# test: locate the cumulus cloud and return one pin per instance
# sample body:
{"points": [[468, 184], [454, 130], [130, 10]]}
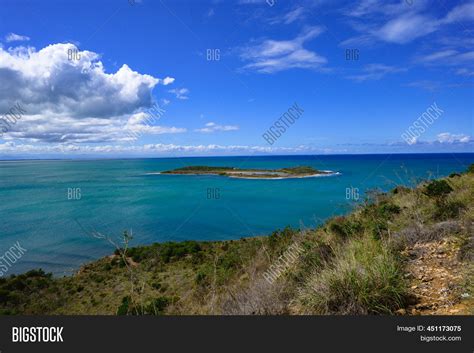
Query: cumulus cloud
{"points": [[13, 37], [68, 96], [269, 56], [145, 123], [213, 127], [441, 140], [168, 80], [446, 137]]}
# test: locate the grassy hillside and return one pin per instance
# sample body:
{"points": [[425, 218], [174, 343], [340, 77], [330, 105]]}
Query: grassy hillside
{"points": [[409, 251]]}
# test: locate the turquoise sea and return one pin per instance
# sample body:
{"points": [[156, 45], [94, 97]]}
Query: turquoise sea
{"points": [[54, 208]]}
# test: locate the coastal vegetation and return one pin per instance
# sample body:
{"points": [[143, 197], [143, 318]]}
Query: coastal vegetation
{"points": [[406, 252]]}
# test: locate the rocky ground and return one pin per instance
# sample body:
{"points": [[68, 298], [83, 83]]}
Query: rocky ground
{"points": [[437, 279]]}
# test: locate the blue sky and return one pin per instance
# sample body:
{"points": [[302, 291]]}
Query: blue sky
{"points": [[168, 78]]}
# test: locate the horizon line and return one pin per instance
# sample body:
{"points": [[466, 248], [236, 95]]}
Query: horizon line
{"points": [[232, 156]]}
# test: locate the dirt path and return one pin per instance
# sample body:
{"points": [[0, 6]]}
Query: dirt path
{"points": [[437, 279]]}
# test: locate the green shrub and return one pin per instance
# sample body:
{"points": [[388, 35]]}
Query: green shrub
{"points": [[343, 227], [388, 209], [300, 170], [448, 210], [98, 278], [4, 296], [377, 215], [159, 305], [177, 250], [230, 259], [202, 275], [381, 210], [123, 308], [401, 190], [156, 307], [279, 237], [164, 288], [470, 169], [121, 262], [156, 285], [437, 189], [200, 168]]}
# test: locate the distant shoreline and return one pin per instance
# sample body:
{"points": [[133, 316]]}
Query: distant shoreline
{"points": [[328, 174], [237, 173]]}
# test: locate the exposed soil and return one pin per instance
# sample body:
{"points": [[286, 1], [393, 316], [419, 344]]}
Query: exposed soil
{"points": [[437, 279]]}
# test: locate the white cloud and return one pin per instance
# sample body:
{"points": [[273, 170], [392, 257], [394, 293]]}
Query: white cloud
{"points": [[401, 22], [461, 60], [406, 28], [442, 140], [12, 37], [425, 84], [438, 55], [362, 40], [12, 148], [180, 93], [145, 123], [269, 56], [69, 100], [465, 72], [376, 8], [168, 80], [464, 12], [447, 137], [294, 15], [448, 57], [375, 72], [213, 127]]}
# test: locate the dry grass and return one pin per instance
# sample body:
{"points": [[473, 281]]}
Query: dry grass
{"points": [[364, 278]]}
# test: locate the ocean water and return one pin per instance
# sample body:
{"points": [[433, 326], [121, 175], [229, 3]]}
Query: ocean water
{"points": [[57, 209]]}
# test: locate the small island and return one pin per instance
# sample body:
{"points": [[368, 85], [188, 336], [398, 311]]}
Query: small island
{"points": [[284, 173]]}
